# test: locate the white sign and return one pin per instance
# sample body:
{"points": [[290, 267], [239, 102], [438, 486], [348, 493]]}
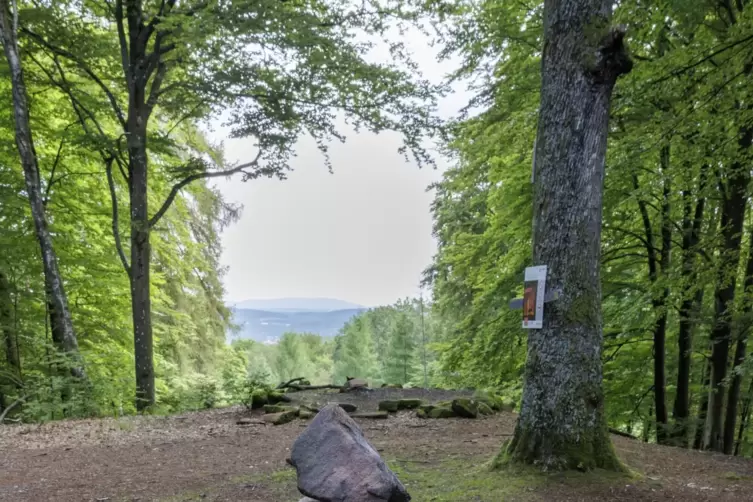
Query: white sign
{"points": [[533, 297]]}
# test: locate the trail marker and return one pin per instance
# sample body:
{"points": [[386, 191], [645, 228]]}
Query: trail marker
{"points": [[534, 297]]}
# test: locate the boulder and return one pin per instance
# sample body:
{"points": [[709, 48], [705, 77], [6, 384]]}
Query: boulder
{"points": [[350, 408], [388, 405], [409, 404], [465, 408], [305, 414], [335, 462], [281, 418], [441, 413], [313, 407], [428, 407]]}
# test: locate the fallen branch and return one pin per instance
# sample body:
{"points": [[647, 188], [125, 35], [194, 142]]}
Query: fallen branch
{"points": [[620, 433], [313, 387], [12, 405], [287, 384]]}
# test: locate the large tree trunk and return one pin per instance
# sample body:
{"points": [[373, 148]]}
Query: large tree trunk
{"points": [[139, 273], [561, 423], [689, 306], [734, 203], [25, 144]]}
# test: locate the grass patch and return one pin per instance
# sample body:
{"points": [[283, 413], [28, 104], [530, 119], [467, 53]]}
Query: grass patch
{"points": [[455, 478]]}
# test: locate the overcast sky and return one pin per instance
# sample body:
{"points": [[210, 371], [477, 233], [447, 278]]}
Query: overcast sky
{"points": [[362, 234]]}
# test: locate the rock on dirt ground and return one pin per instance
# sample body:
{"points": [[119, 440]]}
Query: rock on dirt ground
{"points": [[208, 456]]}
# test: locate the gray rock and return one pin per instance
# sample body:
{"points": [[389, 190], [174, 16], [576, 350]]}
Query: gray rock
{"points": [[335, 462]]}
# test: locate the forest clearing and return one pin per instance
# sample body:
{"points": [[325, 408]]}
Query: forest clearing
{"points": [[209, 456], [598, 165]]}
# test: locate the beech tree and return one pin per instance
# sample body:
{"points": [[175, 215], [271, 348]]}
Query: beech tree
{"points": [[561, 423], [60, 316]]}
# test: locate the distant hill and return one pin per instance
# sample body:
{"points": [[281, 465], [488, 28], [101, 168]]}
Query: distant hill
{"points": [[297, 305], [267, 320]]}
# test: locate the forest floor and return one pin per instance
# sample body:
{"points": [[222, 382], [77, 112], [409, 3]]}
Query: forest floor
{"points": [[209, 456]]}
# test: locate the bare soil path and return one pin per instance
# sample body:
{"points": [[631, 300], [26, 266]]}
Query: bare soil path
{"points": [[208, 456]]}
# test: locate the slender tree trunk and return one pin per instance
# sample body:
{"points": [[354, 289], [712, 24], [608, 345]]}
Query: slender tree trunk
{"points": [[703, 408], [691, 226], [733, 215], [7, 325], [660, 306], [733, 396], [658, 266], [745, 418], [25, 144], [561, 423]]}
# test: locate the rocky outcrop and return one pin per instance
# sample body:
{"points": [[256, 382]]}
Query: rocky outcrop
{"points": [[335, 463]]}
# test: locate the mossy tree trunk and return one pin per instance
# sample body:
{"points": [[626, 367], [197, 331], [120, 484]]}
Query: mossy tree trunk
{"points": [[561, 423]]}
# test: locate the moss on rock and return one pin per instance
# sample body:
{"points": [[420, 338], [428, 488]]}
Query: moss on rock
{"points": [[392, 406], [281, 418], [465, 408], [259, 399], [409, 404], [485, 409], [441, 413]]}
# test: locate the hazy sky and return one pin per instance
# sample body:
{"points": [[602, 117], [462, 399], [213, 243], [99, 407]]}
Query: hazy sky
{"points": [[362, 234]]}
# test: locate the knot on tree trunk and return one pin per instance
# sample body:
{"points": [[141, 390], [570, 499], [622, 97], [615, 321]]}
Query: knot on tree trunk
{"points": [[612, 58]]}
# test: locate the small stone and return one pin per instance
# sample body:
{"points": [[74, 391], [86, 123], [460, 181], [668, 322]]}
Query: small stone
{"points": [[421, 413], [277, 408], [281, 418], [258, 399], [305, 414], [465, 408], [441, 413], [484, 409], [388, 405], [371, 414], [409, 404]]}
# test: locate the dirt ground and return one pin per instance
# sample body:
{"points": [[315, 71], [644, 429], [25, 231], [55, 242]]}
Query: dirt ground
{"points": [[209, 456]]}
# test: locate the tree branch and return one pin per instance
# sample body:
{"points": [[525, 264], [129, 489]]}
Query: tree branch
{"points": [[46, 197], [115, 218], [124, 57], [85, 68], [189, 179]]}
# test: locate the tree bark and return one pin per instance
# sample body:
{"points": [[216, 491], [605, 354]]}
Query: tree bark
{"points": [[140, 273], [745, 418], [733, 396], [24, 142], [12, 356], [690, 304], [734, 204], [703, 408], [561, 423]]}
